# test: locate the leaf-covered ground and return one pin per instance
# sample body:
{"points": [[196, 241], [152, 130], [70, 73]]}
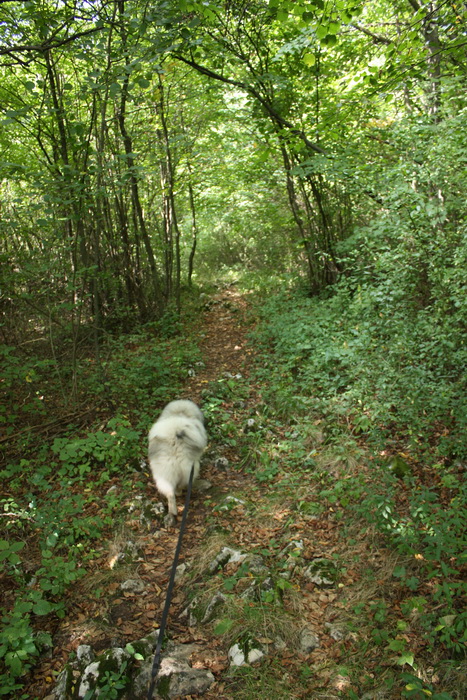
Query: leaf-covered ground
{"points": [[281, 516]]}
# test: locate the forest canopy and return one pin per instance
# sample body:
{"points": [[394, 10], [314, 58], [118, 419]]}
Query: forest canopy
{"points": [[145, 145]]}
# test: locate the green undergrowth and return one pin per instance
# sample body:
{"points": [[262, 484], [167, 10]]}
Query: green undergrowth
{"points": [[405, 610], [58, 506], [398, 380], [132, 372], [376, 420]]}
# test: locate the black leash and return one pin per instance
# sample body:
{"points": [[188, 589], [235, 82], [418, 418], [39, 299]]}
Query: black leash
{"points": [[157, 655]]}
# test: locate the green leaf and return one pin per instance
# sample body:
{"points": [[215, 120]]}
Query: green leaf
{"points": [[15, 664], [51, 540], [330, 40], [321, 31], [143, 82], [42, 607], [230, 583], [309, 59], [114, 89], [406, 658]]}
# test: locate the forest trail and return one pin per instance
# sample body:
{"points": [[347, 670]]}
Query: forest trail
{"points": [[272, 518], [223, 342], [113, 618]]}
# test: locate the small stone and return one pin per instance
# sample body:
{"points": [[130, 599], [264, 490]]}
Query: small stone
{"points": [[250, 593], [64, 683], [225, 556], [295, 545], [201, 485], [256, 565], [216, 602], [135, 504], [234, 499], [308, 640], [84, 655], [152, 513], [279, 644], [179, 571], [132, 549], [250, 426], [228, 504], [188, 681], [239, 658], [192, 612], [132, 585], [176, 678], [221, 463], [88, 679], [322, 572], [111, 660], [334, 631]]}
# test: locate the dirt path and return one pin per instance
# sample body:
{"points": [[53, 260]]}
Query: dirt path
{"points": [[98, 613], [223, 346]]}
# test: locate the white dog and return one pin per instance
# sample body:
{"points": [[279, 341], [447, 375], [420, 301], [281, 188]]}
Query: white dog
{"points": [[176, 442]]}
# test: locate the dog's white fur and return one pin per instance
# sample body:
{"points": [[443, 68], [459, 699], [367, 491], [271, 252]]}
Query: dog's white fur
{"points": [[176, 442]]}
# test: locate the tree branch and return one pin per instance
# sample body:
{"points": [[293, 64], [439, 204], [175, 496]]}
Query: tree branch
{"points": [[376, 37], [252, 91], [47, 45]]}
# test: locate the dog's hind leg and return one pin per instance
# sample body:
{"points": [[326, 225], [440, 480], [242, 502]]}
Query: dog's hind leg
{"points": [[167, 489], [171, 517], [172, 504]]}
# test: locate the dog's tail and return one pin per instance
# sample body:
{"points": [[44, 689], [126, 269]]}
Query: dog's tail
{"points": [[193, 435]]}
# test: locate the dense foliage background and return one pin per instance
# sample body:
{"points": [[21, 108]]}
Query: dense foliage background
{"points": [[315, 152]]}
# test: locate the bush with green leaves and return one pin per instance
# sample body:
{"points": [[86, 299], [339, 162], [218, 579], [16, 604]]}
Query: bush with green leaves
{"points": [[111, 450], [388, 344], [342, 358], [390, 371], [143, 371], [384, 354], [9, 553], [19, 646]]}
